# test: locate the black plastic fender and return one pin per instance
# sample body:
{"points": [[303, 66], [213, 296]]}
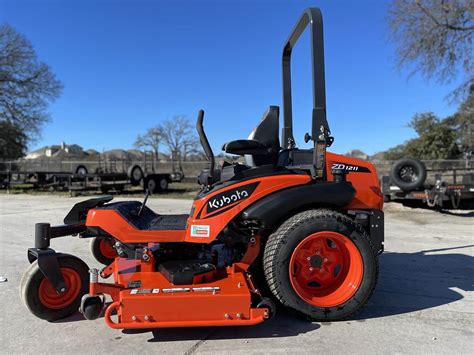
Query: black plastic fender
{"points": [[270, 210], [78, 213]]}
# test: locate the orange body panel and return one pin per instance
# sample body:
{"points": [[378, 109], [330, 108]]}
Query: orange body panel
{"points": [[367, 186], [216, 221], [205, 224]]}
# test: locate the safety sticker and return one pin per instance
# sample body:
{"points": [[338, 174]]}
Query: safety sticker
{"points": [[200, 231]]}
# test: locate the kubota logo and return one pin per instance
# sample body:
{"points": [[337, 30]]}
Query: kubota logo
{"points": [[230, 197], [227, 200]]}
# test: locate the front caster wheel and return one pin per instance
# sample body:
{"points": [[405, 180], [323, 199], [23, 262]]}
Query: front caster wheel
{"points": [[92, 306], [40, 297], [103, 250], [321, 263], [270, 305]]}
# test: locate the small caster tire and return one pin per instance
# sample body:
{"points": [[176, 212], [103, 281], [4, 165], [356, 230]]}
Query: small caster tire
{"points": [[40, 297], [268, 303], [91, 306]]}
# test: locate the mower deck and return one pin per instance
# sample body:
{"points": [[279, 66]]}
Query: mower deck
{"points": [[149, 300], [160, 304]]}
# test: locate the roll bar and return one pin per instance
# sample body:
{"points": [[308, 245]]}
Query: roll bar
{"points": [[313, 18]]}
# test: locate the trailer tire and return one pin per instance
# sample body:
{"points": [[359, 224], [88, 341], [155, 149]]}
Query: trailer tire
{"points": [[408, 174], [336, 277], [81, 170], [135, 174], [151, 185], [163, 184], [40, 297]]}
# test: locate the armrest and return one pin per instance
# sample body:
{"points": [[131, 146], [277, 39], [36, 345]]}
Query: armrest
{"points": [[245, 146]]}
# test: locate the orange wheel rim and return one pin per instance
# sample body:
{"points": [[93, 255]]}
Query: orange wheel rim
{"points": [[53, 300], [107, 249], [326, 269]]}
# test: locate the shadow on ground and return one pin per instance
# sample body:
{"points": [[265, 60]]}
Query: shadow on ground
{"points": [[411, 282], [408, 282], [285, 324]]}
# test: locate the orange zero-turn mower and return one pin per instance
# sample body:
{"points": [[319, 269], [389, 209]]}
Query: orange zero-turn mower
{"points": [[304, 224]]}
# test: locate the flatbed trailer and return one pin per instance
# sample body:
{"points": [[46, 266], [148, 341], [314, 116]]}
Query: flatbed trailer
{"points": [[443, 193], [73, 183]]}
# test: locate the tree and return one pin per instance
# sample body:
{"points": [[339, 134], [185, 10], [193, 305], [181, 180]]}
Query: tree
{"points": [[26, 85], [151, 139], [12, 141], [437, 140], [462, 122], [179, 136], [435, 38]]}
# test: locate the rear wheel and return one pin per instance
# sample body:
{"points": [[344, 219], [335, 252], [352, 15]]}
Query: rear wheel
{"points": [[150, 185], [163, 184], [40, 297], [103, 250], [321, 264]]}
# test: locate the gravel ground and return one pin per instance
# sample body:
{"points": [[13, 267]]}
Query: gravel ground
{"points": [[423, 302]]}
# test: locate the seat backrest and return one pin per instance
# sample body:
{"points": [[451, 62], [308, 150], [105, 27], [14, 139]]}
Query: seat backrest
{"points": [[266, 133]]}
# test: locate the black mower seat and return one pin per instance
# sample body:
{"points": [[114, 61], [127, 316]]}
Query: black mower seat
{"points": [[263, 144], [147, 220]]}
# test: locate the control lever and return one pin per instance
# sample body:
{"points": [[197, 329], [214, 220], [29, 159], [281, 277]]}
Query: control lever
{"points": [[147, 193]]}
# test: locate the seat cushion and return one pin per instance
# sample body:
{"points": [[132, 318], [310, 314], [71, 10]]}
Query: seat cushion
{"points": [[147, 220]]}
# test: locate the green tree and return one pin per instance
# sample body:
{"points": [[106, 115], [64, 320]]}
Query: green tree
{"points": [[437, 139], [395, 153], [26, 85], [462, 122]]}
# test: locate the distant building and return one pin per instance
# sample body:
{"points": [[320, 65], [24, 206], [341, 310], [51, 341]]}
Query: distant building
{"points": [[358, 154], [56, 151]]}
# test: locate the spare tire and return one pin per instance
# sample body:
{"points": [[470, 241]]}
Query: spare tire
{"points": [[135, 174], [408, 174]]}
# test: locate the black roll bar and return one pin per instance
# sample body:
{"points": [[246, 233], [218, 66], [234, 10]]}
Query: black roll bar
{"points": [[312, 17]]}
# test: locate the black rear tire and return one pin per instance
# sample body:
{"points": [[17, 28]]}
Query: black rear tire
{"points": [[282, 244], [33, 285], [98, 252], [408, 174]]}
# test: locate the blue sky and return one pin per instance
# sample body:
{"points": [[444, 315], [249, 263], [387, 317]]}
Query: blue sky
{"points": [[127, 65]]}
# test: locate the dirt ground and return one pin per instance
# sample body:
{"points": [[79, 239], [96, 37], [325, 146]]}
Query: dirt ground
{"points": [[423, 303]]}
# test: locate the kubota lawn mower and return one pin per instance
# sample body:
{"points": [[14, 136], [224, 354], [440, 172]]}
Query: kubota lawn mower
{"points": [[305, 224]]}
